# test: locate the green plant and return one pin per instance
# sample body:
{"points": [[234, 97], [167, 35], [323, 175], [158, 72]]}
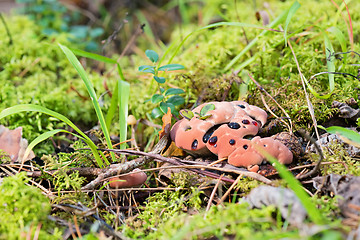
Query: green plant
{"points": [[34, 108], [169, 98], [121, 94], [201, 115], [120, 97], [54, 17]]}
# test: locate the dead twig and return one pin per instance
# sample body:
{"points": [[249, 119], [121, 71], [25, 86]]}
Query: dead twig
{"points": [[213, 194], [230, 189], [268, 108], [310, 106], [321, 157], [127, 166]]}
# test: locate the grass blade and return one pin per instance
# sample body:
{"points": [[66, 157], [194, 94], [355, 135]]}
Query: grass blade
{"points": [[93, 56], [341, 38], [113, 107], [347, 135], [274, 23], [123, 96], [45, 136], [219, 24], [291, 13], [295, 185], [35, 108], [330, 66], [90, 88]]}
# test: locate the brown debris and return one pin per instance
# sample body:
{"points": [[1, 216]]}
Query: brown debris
{"points": [[13, 144], [348, 187]]}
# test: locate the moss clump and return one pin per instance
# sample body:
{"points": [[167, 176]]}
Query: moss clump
{"points": [[161, 207], [235, 221], [22, 209], [342, 163], [35, 71]]}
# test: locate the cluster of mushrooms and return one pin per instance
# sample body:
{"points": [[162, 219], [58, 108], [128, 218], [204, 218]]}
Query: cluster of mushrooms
{"points": [[228, 130]]}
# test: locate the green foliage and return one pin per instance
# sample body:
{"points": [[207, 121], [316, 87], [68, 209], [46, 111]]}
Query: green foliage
{"points": [[54, 17], [162, 96], [233, 220], [90, 88], [348, 165], [22, 209], [296, 186], [120, 97], [160, 207], [35, 108], [33, 70], [64, 181]]}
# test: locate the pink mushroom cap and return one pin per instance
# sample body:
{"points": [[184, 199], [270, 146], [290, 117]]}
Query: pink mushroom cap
{"points": [[133, 179]]}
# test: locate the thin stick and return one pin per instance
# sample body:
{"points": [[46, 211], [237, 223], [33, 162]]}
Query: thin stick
{"points": [[71, 231], [6, 28], [77, 227], [37, 231], [321, 156], [229, 190], [311, 109], [213, 194], [281, 108], [216, 162]]}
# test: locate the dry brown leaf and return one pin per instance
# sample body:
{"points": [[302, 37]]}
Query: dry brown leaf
{"points": [[166, 124], [12, 143]]}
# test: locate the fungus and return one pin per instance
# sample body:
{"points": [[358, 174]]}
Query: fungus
{"points": [[133, 179], [229, 132]]}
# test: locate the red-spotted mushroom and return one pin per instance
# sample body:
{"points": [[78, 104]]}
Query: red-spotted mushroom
{"points": [[228, 130], [192, 134]]}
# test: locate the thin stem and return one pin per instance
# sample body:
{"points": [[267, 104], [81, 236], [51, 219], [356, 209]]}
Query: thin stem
{"points": [[6, 28]]}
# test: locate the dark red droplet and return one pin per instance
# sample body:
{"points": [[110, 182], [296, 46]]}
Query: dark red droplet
{"points": [[213, 140], [194, 144], [255, 123], [232, 141], [245, 121], [245, 146]]}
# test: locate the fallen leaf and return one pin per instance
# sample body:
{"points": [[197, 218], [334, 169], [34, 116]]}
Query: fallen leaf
{"points": [[347, 187], [284, 199], [13, 144], [166, 119]]}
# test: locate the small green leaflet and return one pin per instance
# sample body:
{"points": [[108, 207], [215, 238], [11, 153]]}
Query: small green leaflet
{"points": [[176, 100], [164, 107], [186, 114], [159, 79], [147, 69], [172, 91], [206, 109], [171, 67], [156, 98], [152, 55], [156, 112]]}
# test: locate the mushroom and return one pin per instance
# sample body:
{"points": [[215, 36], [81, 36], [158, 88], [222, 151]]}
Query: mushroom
{"points": [[226, 131], [224, 140], [133, 179], [248, 153], [192, 135]]}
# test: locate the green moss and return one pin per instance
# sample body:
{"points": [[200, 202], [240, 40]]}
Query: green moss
{"points": [[34, 70], [341, 162], [22, 209], [233, 221], [161, 207]]}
